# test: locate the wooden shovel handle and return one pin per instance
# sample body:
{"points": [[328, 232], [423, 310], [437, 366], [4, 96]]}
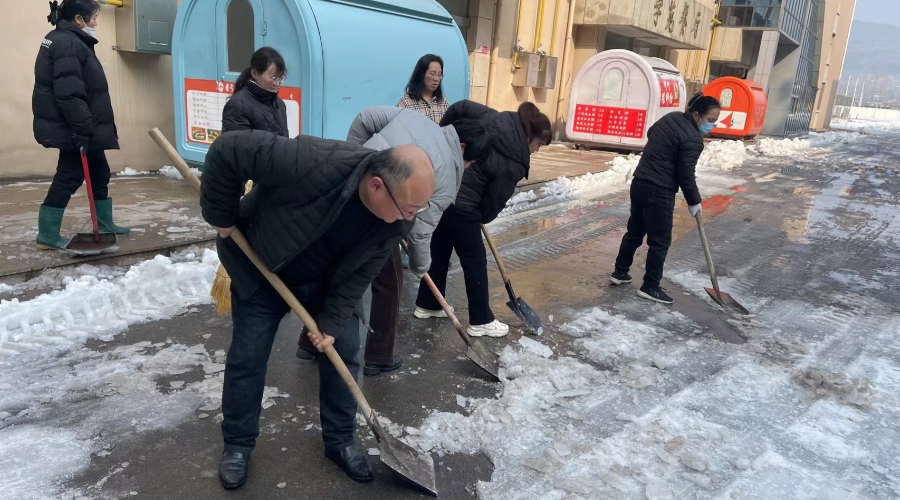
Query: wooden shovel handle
{"points": [[273, 279], [490, 243], [708, 255]]}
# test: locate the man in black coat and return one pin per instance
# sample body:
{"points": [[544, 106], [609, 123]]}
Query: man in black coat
{"points": [[324, 215], [73, 112], [674, 145]]}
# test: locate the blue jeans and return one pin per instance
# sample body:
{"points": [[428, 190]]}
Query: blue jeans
{"points": [[256, 321]]}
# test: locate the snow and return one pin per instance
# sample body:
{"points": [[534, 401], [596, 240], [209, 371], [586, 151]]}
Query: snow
{"points": [[172, 172], [831, 139], [722, 421], [93, 307], [722, 155], [781, 147], [129, 172], [535, 347], [107, 394]]}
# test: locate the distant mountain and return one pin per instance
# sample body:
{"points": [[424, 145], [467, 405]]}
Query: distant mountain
{"points": [[873, 50]]}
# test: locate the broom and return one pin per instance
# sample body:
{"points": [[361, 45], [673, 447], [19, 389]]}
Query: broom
{"points": [[221, 287]]}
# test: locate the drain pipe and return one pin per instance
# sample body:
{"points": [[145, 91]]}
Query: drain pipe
{"points": [[495, 48], [566, 63]]}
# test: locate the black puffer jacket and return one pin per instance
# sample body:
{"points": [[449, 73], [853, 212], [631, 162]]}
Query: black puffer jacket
{"points": [[486, 187], [71, 102], [300, 187], [254, 108], [674, 144]]}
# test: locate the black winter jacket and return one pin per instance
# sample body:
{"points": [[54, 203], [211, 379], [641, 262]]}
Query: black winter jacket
{"points": [[254, 108], [71, 102], [674, 144], [300, 187], [486, 187]]}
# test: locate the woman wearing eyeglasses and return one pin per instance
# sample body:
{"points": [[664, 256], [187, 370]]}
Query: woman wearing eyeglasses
{"points": [[255, 104], [423, 92]]}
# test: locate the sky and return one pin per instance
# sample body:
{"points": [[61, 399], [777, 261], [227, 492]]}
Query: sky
{"points": [[878, 11]]}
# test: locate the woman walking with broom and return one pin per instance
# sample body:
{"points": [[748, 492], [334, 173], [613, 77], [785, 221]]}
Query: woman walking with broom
{"points": [[255, 105]]}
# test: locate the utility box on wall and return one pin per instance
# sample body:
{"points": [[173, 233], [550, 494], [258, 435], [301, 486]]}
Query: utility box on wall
{"points": [[146, 26], [529, 68], [547, 72]]}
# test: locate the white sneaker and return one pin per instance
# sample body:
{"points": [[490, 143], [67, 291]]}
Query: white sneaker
{"points": [[428, 313], [492, 329]]}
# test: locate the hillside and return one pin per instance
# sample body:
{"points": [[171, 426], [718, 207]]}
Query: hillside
{"points": [[873, 50]]}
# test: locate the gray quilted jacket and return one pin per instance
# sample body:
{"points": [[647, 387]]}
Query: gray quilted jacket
{"points": [[383, 127]]}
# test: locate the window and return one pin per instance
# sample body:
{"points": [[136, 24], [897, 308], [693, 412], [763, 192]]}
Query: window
{"points": [[239, 26], [612, 86], [725, 98]]}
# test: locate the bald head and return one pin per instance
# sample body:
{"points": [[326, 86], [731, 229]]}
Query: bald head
{"points": [[398, 182]]}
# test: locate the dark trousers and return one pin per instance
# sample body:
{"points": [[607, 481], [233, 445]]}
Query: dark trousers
{"points": [[256, 321], [463, 236], [70, 175], [387, 288], [652, 209]]}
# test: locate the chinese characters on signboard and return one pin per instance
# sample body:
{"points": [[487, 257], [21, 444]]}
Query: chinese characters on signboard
{"points": [[657, 11], [603, 120], [669, 93], [204, 101], [670, 21], [684, 18]]}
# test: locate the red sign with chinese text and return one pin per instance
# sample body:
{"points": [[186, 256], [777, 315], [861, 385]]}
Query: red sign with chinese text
{"points": [[204, 101], [669, 93], [603, 120]]}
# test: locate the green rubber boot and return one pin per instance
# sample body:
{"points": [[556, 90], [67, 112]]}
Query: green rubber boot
{"points": [[105, 218], [49, 222]]}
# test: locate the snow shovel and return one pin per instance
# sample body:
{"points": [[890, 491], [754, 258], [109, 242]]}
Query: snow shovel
{"points": [[719, 297], [397, 455], [474, 349], [96, 242], [519, 307]]}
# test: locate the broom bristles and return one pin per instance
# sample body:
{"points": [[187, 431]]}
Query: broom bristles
{"points": [[221, 291], [221, 287]]}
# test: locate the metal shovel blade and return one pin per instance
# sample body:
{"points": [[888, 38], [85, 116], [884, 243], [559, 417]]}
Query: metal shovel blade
{"points": [[481, 357], [727, 301], [416, 467], [525, 313], [87, 244]]}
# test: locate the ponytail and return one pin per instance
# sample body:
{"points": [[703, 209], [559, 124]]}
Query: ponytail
{"points": [[242, 80], [701, 104], [535, 123], [53, 18], [70, 9]]}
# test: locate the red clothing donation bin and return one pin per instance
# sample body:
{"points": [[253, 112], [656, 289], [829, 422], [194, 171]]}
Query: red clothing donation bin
{"points": [[743, 107], [617, 95]]}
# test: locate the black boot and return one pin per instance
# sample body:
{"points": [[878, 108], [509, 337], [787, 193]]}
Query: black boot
{"points": [[233, 469], [373, 369], [354, 463], [306, 355]]}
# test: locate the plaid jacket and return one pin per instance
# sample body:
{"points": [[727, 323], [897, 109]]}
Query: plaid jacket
{"points": [[434, 110]]}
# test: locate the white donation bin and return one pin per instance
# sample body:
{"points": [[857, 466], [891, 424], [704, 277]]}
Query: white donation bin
{"points": [[617, 95]]}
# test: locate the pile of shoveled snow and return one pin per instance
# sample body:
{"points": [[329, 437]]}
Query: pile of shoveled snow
{"points": [[831, 139], [91, 306], [617, 176], [172, 172], [781, 147], [722, 155]]}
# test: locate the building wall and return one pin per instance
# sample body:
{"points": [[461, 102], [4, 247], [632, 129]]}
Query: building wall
{"points": [[140, 86], [838, 18]]}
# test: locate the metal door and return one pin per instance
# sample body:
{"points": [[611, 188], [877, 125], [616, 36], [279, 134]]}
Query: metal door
{"points": [[637, 101], [239, 32], [612, 93]]}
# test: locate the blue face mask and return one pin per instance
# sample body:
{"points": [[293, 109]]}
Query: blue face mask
{"points": [[706, 128]]}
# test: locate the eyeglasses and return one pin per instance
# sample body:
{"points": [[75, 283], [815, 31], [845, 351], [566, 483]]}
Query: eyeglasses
{"points": [[436, 76], [402, 213], [278, 80]]}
